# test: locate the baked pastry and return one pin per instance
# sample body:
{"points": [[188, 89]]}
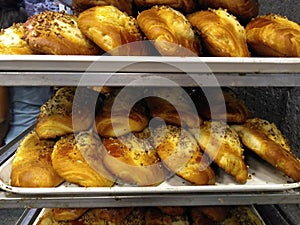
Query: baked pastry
{"points": [[222, 144], [61, 114], [111, 29], [181, 154], [244, 10], [78, 159], [221, 104], [133, 160], [82, 5], [173, 210], [184, 6], [215, 213], [154, 216], [113, 215], [57, 33], [169, 38], [269, 144], [273, 35], [221, 33], [64, 214], [32, 166], [173, 105], [121, 113], [11, 41]]}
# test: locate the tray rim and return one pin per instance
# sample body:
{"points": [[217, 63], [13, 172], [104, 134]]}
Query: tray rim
{"points": [[72, 63], [134, 191]]}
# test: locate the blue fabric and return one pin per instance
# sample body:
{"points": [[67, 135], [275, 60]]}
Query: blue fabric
{"points": [[25, 103]]}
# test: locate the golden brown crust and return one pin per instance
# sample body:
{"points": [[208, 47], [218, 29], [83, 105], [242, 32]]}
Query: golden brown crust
{"points": [[133, 159], [82, 5], [273, 35], [61, 214], [221, 33], [222, 145], [259, 141], [169, 38], [57, 33], [118, 117], [223, 104], [174, 106], [184, 6], [79, 160], [181, 154], [32, 166], [110, 28], [173, 210], [11, 41], [242, 9], [56, 117]]}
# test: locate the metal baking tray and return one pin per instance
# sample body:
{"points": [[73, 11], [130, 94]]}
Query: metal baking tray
{"points": [[105, 63], [46, 212], [262, 177]]}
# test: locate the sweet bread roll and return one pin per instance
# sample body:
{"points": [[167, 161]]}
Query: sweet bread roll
{"points": [[32, 166], [78, 159], [221, 143], [11, 41], [273, 35], [64, 214], [82, 5], [223, 104], [121, 113], [268, 145], [61, 114], [181, 154], [170, 38], [184, 6], [111, 28], [133, 160], [57, 33], [174, 106], [221, 34], [244, 10]]}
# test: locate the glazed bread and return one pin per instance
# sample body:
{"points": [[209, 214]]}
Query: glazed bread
{"points": [[133, 160], [111, 28], [82, 5], [268, 145], [78, 159], [154, 216], [57, 33], [113, 215], [174, 106], [121, 114], [181, 154], [11, 41], [170, 38], [184, 6], [222, 144], [222, 104], [244, 10], [274, 36], [221, 34], [32, 165], [57, 118]]}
